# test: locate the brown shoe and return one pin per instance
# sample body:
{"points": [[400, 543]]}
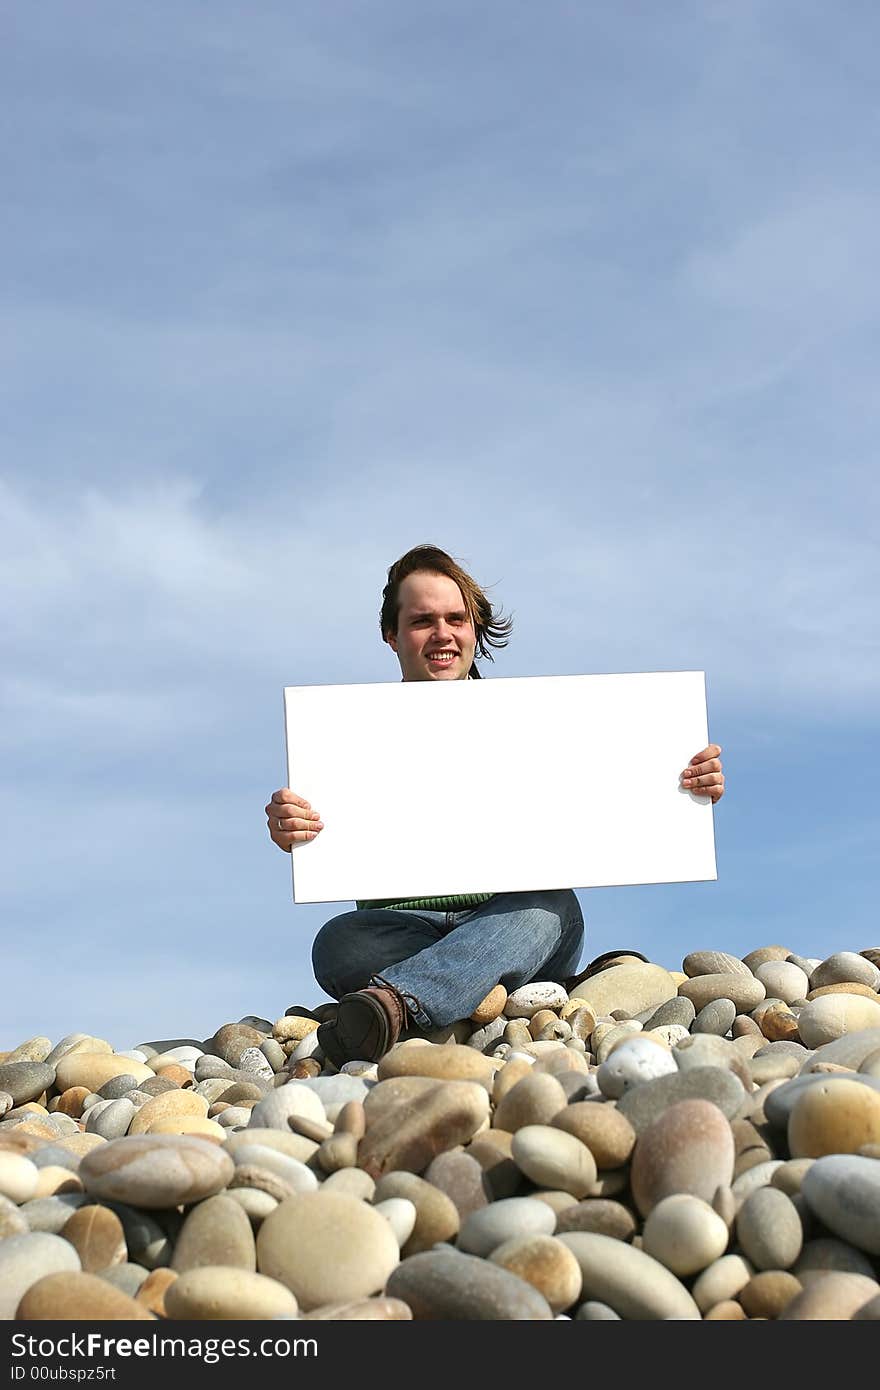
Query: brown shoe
{"points": [[603, 962], [366, 1025]]}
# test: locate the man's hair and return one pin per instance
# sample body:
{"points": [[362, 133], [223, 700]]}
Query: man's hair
{"points": [[492, 630]]}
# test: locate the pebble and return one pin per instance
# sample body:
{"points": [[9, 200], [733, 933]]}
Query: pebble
{"points": [[769, 1230], [447, 1284], [24, 1259], [744, 991], [545, 1263], [527, 1000], [837, 1297], [643, 1105], [539, 1160], [689, 1148], [716, 1017], [215, 1232], [552, 1158], [843, 1190], [96, 1233], [156, 1170], [213, 1292], [832, 1016], [436, 1215], [634, 1062], [76, 1296], [325, 1247], [483, 1231], [631, 1282], [833, 1116], [685, 1234]]}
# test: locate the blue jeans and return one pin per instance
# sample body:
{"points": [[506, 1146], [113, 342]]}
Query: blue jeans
{"points": [[446, 962]]}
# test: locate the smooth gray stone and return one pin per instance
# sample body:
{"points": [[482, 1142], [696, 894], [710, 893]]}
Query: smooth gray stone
{"points": [[114, 1120], [335, 1091], [157, 1085], [714, 963], [51, 1214], [802, 963], [716, 1018], [577, 1085], [116, 1087], [62, 1048], [769, 1230], [147, 1241], [488, 1227], [678, 1010], [208, 1067], [483, 1038], [274, 1054], [155, 1049], [126, 1276], [778, 1104], [262, 1025], [843, 1190], [592, 1311], [783, 1048], [848, 1051], [54, 1156], [645, 1104], [25, 1081], [827, 1254], [444, 1284]]}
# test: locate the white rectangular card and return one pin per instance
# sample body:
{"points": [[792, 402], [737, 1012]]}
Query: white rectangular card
{"points": [[429, 788]]}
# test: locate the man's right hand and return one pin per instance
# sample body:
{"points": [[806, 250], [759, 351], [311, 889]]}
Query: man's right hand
{"points": [[291, 819]]}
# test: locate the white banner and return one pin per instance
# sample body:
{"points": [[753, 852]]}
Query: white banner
{"points": [[429, 788]]}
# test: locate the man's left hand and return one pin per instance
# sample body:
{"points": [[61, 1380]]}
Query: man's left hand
{"points": [[703, 775]]}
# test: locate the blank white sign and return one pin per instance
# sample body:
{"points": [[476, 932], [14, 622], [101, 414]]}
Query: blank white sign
{"points": [[429, 788]]}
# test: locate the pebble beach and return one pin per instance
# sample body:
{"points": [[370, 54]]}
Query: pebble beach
{"points": [[700, 1143]]}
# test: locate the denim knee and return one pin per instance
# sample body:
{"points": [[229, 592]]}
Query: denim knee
{"points": [[334, 955]]}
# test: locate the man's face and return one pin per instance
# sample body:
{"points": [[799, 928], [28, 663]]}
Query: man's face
{"points": [[435, 638]]}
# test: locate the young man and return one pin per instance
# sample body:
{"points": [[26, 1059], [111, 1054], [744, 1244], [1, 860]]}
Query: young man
{"points": [[431, 961]]}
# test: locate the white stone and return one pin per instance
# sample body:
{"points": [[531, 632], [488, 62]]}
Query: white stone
{"points": [[634, 1061], [528, 999]]}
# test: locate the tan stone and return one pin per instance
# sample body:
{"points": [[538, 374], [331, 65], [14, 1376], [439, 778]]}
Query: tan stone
{"points": [[769, 1293], [53, 1180], [173, 1071], [835, 1015], [152, 1291], [835, 1297], [546, 1264], [728, 1310], [92, 1069], [78, 1297], [70, 1101], [293, 1028], [602, 1128], [851, 987], [96, 1234], [635, 986], [491, 1007], [451, 1062], [834, 1117], [169, 1104], [189, 1124]]}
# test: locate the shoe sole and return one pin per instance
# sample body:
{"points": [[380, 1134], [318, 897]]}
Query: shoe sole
{"points": [[360, 1031]]}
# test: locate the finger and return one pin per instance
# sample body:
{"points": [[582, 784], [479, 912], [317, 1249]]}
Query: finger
{"points": [[712, 751], [698, 769], [288, 824], [285, 808], [707, 779], [286, 797]]}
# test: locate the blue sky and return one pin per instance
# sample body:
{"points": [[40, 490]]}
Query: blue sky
{"points": [[585, 294]]}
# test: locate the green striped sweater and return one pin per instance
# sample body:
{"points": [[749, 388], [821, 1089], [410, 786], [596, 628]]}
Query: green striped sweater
{"points": [[457, 903]]}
